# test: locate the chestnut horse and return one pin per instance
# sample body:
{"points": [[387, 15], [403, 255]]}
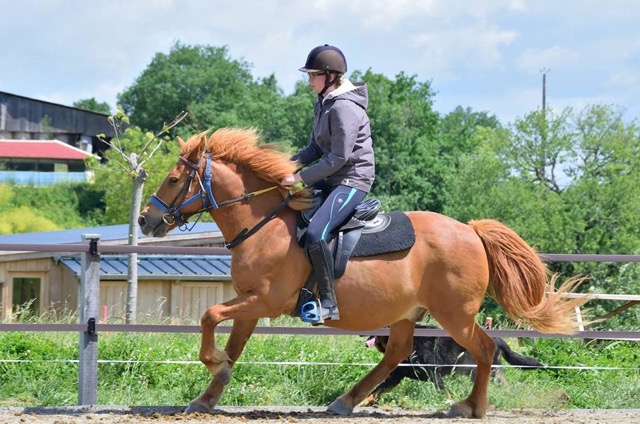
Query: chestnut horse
{"points": [[446, 273]]}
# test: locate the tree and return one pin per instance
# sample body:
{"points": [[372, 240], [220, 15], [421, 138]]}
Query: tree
{"points": [[114, 177], [134, 163], [404, 131], [457, 137], [298, 115], [216, 90], [457, 129], [582, 171], [23, 219], [476, 188], [605, 168], [540, 148], [281, 119], [202, 80], [63, 205], [568, 183], [93, 105]]}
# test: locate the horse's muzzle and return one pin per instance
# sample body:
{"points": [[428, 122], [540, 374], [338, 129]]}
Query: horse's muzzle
{"points": [[141, 222]]}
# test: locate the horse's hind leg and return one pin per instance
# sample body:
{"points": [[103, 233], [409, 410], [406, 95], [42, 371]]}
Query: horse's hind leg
{"points": [[389, 383], [398, 348], [468, 334]]}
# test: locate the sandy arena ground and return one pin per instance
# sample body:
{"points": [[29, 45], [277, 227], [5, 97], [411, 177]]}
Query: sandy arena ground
{"points": [[272, 415]]}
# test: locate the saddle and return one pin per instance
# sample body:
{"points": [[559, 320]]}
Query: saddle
{"points": [[366, 233], [346, 237]]}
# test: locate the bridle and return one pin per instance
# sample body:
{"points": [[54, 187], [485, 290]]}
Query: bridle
{"points": [[173, 211]]}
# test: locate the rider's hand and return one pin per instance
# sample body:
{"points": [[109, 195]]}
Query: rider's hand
{"points": [[291, 180]]}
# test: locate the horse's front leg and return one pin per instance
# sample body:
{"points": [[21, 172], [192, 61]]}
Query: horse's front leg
{"points": [[245, 311]]}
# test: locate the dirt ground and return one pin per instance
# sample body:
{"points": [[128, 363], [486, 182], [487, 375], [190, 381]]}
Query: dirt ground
{"points": [[271, 415]]}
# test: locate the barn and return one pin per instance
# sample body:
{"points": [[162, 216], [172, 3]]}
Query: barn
{"points": [[170, 287], [44, 143], [23, 118]]}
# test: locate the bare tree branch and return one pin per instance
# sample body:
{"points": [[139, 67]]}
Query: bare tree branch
{"points": [[167, 127]]}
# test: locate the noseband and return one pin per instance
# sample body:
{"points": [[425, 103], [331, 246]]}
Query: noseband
{"points": [[173, 213]]}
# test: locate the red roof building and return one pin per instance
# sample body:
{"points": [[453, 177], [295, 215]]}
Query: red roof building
{"points": [[40, 149], [41, 162]]}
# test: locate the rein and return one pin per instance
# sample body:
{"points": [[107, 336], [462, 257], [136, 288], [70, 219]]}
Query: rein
{"points": [[246, 233], [173, 215]]}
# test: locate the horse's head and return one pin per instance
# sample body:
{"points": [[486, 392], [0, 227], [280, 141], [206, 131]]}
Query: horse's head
{"points": [[241, 169], [181, 193]]}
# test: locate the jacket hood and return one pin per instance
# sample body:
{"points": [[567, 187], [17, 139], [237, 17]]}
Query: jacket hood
{"points": [[356, 93]]}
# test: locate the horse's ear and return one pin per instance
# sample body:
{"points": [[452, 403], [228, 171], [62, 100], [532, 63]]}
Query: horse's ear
{"points": [[203, 142], [182, 143], [198, 149]]}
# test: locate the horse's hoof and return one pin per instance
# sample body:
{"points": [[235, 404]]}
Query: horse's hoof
{"points": [[460, 410], [464, 410], [196, 407], [340, 407]]}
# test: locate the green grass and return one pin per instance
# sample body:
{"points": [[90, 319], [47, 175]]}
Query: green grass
{"points": [[46, 383]]}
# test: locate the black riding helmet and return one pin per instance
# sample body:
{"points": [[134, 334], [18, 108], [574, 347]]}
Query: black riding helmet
{"points": [[329, 59], [325, 58]]}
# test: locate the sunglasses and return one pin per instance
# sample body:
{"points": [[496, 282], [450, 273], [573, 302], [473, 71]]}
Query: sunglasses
{"points": [[313, 75]]}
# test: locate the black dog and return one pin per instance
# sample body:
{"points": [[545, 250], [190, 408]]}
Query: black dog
{"points": [[434, 357]]}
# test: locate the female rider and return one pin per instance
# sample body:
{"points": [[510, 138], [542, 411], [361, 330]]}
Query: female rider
{"points": [[345, 169]]}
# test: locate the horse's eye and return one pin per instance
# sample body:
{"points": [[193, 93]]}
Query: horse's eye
{"points": [[173, 180]]}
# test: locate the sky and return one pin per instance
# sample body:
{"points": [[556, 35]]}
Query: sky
{"points": [[482, 54]]}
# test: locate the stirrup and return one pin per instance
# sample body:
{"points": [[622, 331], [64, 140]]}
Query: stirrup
{"points": [[314, 313], [310, 312]]}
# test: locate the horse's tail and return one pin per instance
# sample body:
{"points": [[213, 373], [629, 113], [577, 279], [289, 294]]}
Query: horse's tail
{"points": [[522, 284]]}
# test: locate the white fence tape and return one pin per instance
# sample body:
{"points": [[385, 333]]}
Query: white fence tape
{"points": [[303, 363]]}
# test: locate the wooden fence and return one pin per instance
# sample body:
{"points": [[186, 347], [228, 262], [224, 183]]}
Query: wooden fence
{"points": [[89, 328]]}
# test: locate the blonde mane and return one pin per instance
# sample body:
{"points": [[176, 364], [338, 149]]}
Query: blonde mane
{"points": [[241, 146]]}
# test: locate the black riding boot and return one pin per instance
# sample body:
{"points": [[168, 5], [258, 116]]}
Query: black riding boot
{"points": [[322, 263]]}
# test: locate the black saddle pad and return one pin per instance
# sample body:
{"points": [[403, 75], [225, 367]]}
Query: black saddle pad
{"points": [[397, 236]]}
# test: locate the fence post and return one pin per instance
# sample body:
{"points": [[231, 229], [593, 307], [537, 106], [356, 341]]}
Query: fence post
{"points": [[90, 299]]}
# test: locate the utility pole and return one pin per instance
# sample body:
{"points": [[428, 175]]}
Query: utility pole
{"points": [[543, 132], [544, 71]]}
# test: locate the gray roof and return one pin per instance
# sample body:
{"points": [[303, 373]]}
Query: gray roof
{"points": [[107, 233], [159, 267]]}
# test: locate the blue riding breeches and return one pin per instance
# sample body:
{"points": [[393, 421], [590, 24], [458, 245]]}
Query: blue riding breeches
{"points": [[334, 211]]}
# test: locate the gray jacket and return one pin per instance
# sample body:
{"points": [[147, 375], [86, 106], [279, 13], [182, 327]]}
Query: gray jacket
{"points": [[341, 139]]}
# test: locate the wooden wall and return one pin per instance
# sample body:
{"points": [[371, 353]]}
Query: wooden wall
{"points": [[158, 300]]}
